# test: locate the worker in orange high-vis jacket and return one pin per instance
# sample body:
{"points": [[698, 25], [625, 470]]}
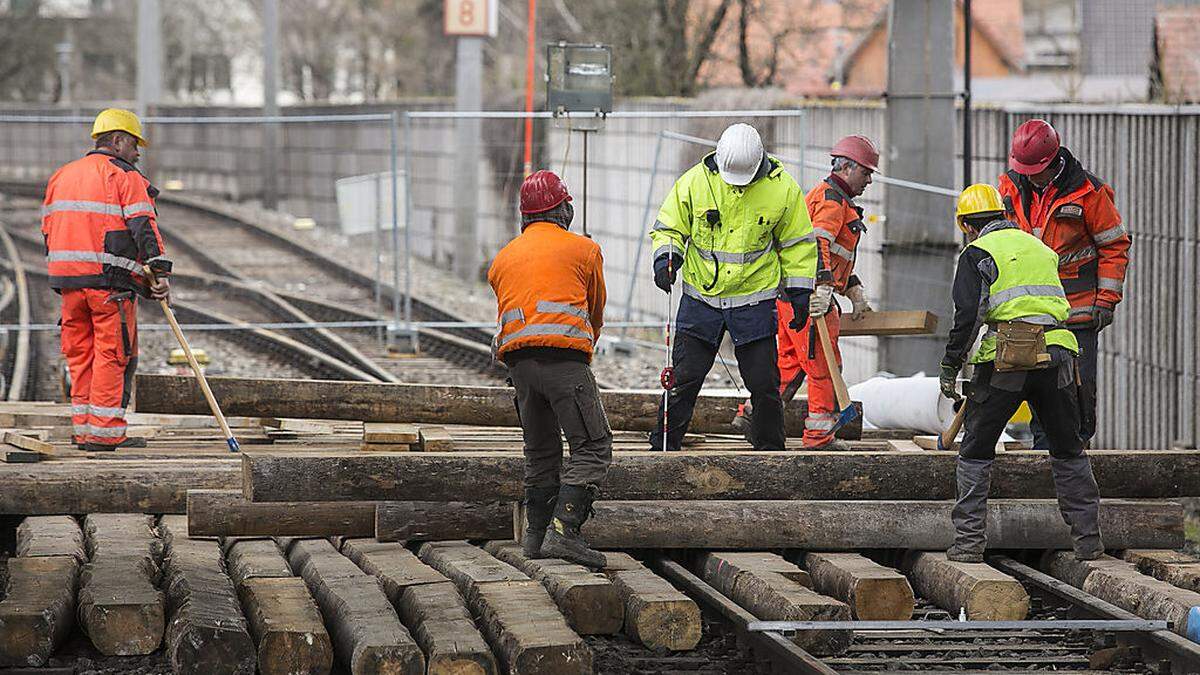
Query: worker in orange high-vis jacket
{"points": [[99, 223], [1049, 194], [838, 225], [550, 296]]}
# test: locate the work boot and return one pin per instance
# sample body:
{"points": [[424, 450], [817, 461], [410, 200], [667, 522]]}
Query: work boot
{"points": [[742, 422], [562, 536], [833, 444], [1079, 503], [104, 447], [539, 509], [969, 515]]}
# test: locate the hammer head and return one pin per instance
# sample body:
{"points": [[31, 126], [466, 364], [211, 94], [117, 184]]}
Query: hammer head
{"points": [[846, 416]]}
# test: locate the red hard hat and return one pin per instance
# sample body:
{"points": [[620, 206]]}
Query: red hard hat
{"points": [[542, 191], [1034, 145], [859, 149]]}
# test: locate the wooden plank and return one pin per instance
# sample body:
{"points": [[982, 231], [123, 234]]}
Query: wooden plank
{"points": [[207, 632], [915, 322], [111, 485], [1120, 583], [15, 456], [255, 559], [656, 614], [38, 610], [588, 599], [849, 525], [755, 581], [433, 521], [873, 592], [435, 439], [26, 441], [517, 615], [119, 607], [367, 634], [985, 593], [298, 426], [327, 476], [226, 513], [390, 432], [286, 626], [1174, 567], [50, 536], [424, 404]]}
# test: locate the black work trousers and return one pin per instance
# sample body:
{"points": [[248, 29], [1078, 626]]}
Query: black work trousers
{"points": [[693, 358], [554, 395], [1088, 354]]}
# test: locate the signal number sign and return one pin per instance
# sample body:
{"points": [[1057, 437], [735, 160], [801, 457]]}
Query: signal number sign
{"points": [[472, 17]]}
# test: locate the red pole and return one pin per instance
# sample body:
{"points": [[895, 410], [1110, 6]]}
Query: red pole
{"points": [[530, 58]]}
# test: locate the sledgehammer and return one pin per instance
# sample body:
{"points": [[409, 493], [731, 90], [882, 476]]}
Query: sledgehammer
{"points": [[847, 412], [946, 438], [187, 350]]}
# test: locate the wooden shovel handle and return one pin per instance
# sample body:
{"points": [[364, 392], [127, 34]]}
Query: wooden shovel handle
{"points": [[835, 373]]}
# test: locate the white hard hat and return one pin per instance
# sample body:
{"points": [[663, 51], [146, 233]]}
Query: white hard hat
{"points": [[739, 153]]}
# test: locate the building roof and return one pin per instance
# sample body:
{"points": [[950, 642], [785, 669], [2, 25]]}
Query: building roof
{"points": [[1177, 44]]}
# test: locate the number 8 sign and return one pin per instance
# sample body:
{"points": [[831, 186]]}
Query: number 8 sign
{"points": [[471, 17]]}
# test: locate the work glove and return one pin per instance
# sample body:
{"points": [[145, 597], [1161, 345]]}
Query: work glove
{"points": [[799, 301], [1103, 316], [818, 304], [948, 382], [859, 297], [666, 266]]}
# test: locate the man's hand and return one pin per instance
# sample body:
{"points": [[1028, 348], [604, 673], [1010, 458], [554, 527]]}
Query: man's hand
{"points": [[666, 266], [859, 297], [818, 304], [948, 382], [161, 289], [1103, 317]]}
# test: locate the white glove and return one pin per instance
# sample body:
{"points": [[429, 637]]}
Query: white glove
{"points": [[859, 297], [818, 302]]}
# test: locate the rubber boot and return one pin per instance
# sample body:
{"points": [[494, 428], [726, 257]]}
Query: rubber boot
{"points": [[969, 515], [741, 421], [562, 536], [127, 443], [539, 509], [1079, 503]]}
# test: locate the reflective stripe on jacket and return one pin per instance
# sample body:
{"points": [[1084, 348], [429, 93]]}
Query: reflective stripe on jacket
{"points": [[1075, 215], [838, 224], [549, 286], [100, 225], [762, 240], [1026, 289]]}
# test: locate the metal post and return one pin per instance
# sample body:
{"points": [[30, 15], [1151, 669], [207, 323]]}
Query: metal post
{"points": [[468, 97], [641, 241], [149, 53], [966, 115], [380, 333], [64, 50], [395, 225], [270, 131], [585, 176], [408, 219]]}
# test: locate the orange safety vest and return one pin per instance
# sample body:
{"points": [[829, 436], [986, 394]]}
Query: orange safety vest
{"points": [[1075, 215], [549, 286], [838, 224], [100, 225]]}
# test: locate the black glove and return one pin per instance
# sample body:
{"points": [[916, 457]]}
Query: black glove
{"points": [[948, 380], [1103, 316], [799, 301], [666, 266]]}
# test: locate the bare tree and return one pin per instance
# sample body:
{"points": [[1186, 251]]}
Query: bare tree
{"points": [[27, 57]]}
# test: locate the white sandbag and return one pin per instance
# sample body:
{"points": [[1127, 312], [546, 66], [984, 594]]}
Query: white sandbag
{"points": [[903, 403]]}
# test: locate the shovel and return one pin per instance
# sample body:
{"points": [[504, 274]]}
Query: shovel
{"points": [[846, 411], [187, 350]]}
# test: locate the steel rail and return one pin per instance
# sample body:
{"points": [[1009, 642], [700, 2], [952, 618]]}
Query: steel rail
{"points": [[1109, 625], [19, 378]]}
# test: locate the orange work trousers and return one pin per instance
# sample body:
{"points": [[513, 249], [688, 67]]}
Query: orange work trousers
{"points": [[99, 341], [794, 366]]}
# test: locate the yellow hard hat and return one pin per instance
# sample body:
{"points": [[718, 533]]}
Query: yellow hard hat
{"points": [[976, 199], [116, 119]]}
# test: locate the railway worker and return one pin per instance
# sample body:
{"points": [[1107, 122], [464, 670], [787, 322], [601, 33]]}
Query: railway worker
{"points": [[1049, 194], [837, 222], [1008, 280], [100, 228], [737, 225], [550, 295]]}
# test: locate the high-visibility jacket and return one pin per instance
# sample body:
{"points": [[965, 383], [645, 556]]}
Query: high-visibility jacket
{"points": [[549, 286], [1026, 289], [838, 224], [100, 225], [740, 245], [1076, 217]]}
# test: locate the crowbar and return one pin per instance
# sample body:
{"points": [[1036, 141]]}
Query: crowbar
{"points": [[187, 350], [847, 413]]}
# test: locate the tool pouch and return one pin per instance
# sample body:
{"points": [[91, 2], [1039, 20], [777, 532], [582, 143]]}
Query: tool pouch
{"points": [[1020, 346]]}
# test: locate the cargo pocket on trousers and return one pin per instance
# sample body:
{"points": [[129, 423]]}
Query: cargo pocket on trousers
{"points": [[595, 422]]}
